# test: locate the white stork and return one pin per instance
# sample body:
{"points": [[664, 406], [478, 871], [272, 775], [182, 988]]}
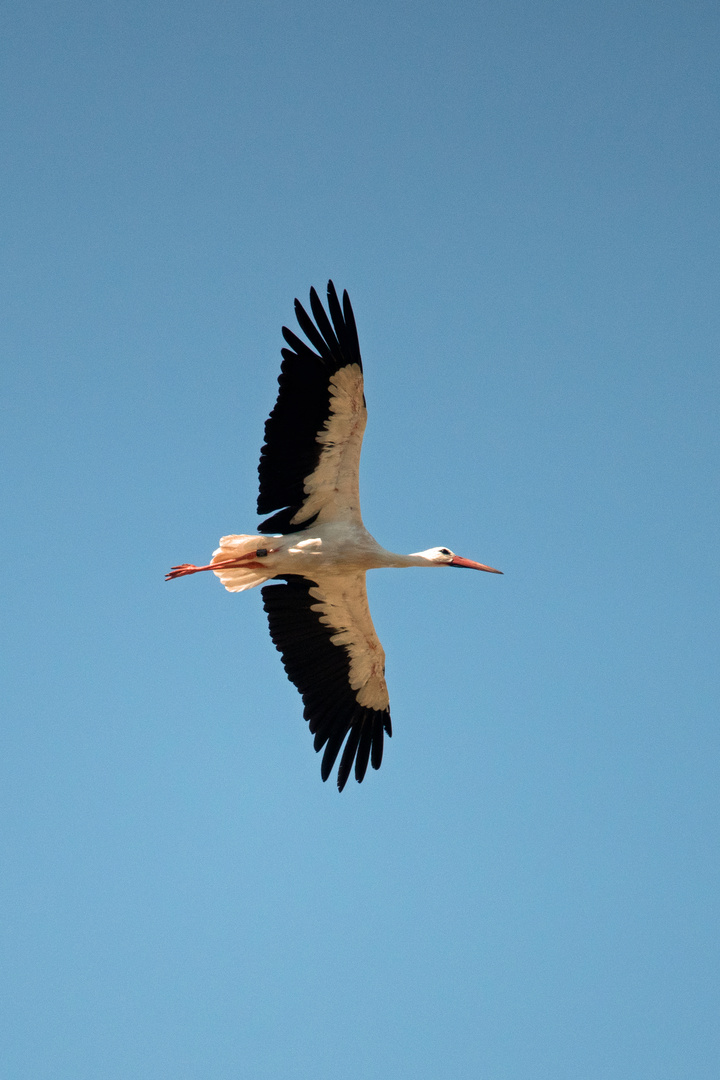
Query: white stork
{"points": [[315, 543]]}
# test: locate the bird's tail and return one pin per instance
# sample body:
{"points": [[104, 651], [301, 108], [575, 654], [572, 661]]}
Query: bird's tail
{"points": [[252, 572]]}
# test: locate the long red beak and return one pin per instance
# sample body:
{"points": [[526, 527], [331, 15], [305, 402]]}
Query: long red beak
{"points": [[458, 561]]}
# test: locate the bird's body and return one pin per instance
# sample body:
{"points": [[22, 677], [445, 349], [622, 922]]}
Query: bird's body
{"points": [[337, 548], [315, 542]]}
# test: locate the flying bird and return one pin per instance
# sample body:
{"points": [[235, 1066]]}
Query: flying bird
{"points": [[315, 546]]}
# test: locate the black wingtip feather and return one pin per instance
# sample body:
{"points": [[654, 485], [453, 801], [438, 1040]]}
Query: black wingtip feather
{"points": [[332, 749], [324, 325], [377, 740], [348, 755], [363, 753], [312, 333]]}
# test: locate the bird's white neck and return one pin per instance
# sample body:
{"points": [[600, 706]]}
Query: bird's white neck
{"points": [[394, 560]]}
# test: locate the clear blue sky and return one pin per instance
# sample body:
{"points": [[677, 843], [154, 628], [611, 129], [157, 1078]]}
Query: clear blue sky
{"points": [[523, 201]]}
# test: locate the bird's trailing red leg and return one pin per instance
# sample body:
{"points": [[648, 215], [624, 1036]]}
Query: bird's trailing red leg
{"points": [[242, 561]]}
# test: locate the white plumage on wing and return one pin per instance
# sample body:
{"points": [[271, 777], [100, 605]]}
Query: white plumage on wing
{"points": [[315, 544]]}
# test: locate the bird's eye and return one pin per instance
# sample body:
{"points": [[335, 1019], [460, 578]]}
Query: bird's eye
{"points": [[261, 553], [444, 551]]}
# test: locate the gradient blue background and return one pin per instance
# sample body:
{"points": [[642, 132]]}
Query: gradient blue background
{"points": [[523, 201]]}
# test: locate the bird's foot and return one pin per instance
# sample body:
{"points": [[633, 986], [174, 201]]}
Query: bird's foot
{"points": [[181, 571]]}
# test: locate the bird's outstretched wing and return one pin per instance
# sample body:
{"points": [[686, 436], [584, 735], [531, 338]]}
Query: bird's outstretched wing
{"points": [[313, 436], [331, 652]]}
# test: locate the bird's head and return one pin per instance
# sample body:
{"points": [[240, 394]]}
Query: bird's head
{"points": [[442, 556]]}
